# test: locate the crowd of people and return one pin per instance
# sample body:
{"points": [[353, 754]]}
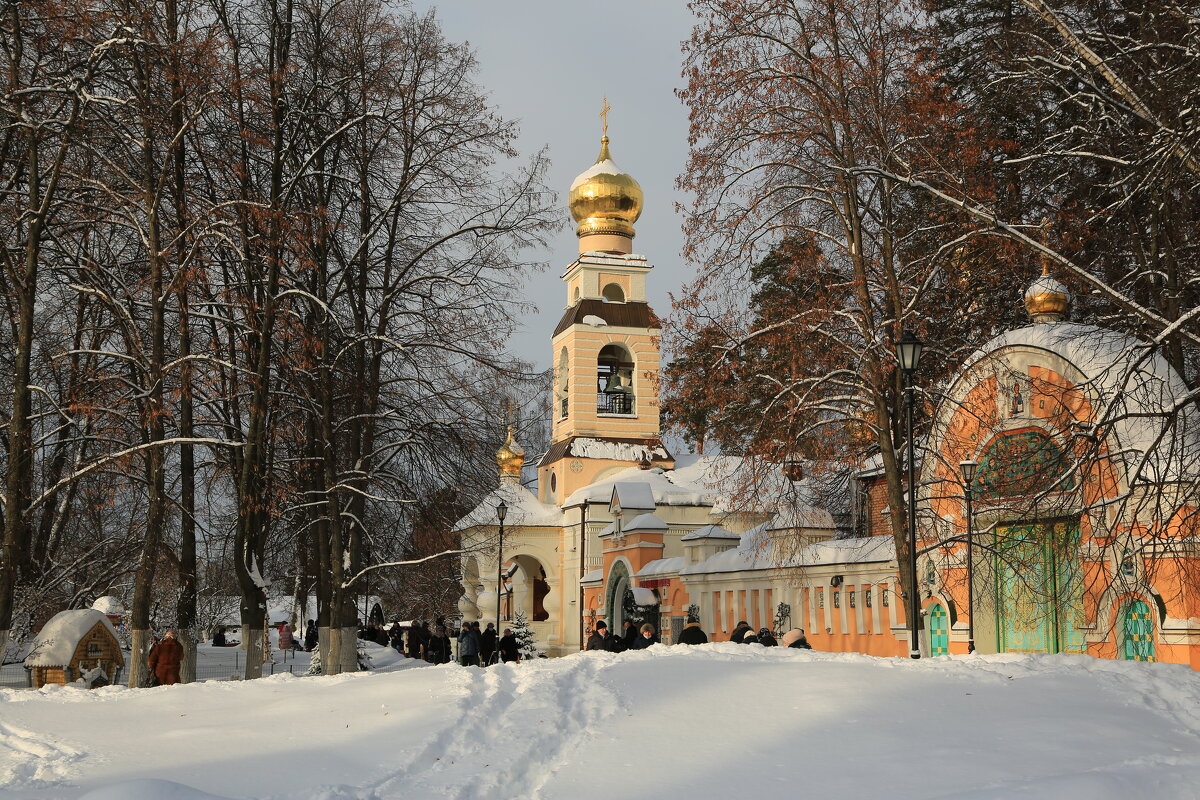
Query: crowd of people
{"points": [[476, 646], [635, 638]]}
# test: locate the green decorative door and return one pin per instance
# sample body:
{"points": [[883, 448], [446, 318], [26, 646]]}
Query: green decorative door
{"points": [[1138, 632], [1040, 589], [939, 630]]}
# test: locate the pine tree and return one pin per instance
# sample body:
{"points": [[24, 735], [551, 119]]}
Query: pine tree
{"points": [[524, 636]]}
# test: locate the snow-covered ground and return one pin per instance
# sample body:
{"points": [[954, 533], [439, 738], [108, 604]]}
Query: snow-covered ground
{"points": [[716, 721]]}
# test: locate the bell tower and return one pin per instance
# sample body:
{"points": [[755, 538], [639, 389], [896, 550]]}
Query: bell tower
{"points": [[606, 346]]}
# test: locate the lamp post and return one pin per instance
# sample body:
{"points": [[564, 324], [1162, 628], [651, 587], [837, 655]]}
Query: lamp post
{"points": [[583, 512], [501, 512], [968, 475], [908, 353]]}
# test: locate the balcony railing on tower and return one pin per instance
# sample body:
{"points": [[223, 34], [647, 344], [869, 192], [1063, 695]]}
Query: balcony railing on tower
{"points": [[621, 403]]}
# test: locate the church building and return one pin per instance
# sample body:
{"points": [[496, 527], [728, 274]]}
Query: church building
{"points": [[1081, 468]]}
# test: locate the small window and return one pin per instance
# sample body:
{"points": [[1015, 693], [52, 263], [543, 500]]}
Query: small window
{"points": [[837, 599], [94, 649], [867, 596], [820, 598], [613, 293], [553, 483], [850, 596], [883, 596]]}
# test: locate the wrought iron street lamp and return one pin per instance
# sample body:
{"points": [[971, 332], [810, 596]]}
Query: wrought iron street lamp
{"points": [[968, 476], [908, 353], [501, 513]]}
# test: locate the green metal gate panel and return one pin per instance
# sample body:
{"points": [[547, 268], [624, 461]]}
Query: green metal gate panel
{"points": [[1025, 622], [1038, 576], [1138, 632], [939, 630]]}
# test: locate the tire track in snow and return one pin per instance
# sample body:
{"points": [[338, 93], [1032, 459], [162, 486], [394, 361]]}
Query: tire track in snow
{"points": [[516, 728], [31, 760]]}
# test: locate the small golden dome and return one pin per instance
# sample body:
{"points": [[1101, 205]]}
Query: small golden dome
{"points": [[1046, 299], [605, 200], [510, 458]]}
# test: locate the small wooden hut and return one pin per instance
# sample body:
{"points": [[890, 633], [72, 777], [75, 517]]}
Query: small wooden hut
{"points": [[73, 645]]}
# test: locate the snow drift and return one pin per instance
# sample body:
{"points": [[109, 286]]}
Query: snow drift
{"points": [[715, 721]]}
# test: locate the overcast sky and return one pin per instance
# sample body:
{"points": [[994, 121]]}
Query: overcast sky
{"points": [[548, 63]]}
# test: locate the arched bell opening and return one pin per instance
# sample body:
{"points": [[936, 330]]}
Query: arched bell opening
{"points": [[614, 381]]}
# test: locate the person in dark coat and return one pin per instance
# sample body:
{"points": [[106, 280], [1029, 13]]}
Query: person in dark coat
{"points": [[396, 637], [509, 650], [310, 635], [416, 641], [766, 639], [468, 646], [437, 651], [693, 634], [646, 638], [219, 638], [488, 637], [599, 638], [795, 638], [630, 634], [739, 632], [165, 658]]}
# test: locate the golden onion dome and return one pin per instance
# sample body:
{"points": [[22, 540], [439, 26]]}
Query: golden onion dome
{"points": [[1046, 299], [510, 458], [605, 200]]}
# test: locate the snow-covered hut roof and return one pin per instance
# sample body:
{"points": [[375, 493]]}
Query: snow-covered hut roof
{"points": [[633, 495], [109, 605], [710, 532], [1135, 388], [56, 641], [662, 566], [524, 509], [645, 522]]}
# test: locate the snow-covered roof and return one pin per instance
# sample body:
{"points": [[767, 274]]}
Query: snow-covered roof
{"points": [[633, 494], [690, 484], [857, 550], [710, 532], [748, 556], [56, 641], [1130, 385], [643, 596], [595, 576], [645, 522], [524, 509], [806, 517], [587, 447], [109, 605], [662, 566]]}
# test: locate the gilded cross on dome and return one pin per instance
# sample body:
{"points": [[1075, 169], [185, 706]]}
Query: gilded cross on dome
{"points": [[604, 109]]}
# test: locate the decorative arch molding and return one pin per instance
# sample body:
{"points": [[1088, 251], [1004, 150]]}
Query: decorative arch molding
{"points": [[1022, 463], [620, 577], [946, 602]]}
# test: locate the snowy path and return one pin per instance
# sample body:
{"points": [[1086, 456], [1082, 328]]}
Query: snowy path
{"points": [[713, 722]]}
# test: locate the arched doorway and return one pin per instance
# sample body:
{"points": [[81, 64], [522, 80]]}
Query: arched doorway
{"points": [[1137, 632], [614, 601], [938, 622], [528, 588]]}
